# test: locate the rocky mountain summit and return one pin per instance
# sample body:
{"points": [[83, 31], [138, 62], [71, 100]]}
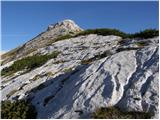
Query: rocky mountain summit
{"points": [[66, 27], [82, 73]]}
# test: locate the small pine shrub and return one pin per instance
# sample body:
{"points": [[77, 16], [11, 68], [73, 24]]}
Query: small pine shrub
{"points": [[103, 31], [116, 113], [148, 33], [28, 63], [17, 110]]}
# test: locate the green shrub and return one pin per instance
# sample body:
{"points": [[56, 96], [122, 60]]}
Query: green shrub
{"points": [[103, 31], [142, 43], [116, 113], [28, 63], [148, 33], [17, 110]]}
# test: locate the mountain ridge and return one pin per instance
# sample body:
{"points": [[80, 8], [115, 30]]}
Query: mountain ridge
{"points": [[53, 31]]}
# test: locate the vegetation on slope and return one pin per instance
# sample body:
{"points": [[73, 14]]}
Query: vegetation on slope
{"points": [[17, 110], [148, 33], [116, 113], [28, 63], [103, 31]]}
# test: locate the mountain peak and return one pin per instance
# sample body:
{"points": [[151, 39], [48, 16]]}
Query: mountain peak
{"points": [[66, 24]]}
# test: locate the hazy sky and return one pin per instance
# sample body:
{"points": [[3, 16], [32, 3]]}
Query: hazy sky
{"points": [[21, 21]]}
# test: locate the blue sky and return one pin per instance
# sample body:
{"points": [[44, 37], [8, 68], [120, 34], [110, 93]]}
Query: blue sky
{"points": [[21, 21]]}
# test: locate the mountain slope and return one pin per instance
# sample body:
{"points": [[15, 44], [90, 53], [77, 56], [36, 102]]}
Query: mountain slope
{"points": [[90, 72], [66, 27]]}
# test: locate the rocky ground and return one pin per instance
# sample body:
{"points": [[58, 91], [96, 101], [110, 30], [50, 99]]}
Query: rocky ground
{"points": [[91, 71]]}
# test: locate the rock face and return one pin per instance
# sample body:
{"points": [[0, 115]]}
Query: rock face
{"points": [[66, 25], [123, 75]]}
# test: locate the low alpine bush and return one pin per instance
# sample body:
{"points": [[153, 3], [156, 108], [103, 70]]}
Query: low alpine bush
{"points": [[17, 110]]}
